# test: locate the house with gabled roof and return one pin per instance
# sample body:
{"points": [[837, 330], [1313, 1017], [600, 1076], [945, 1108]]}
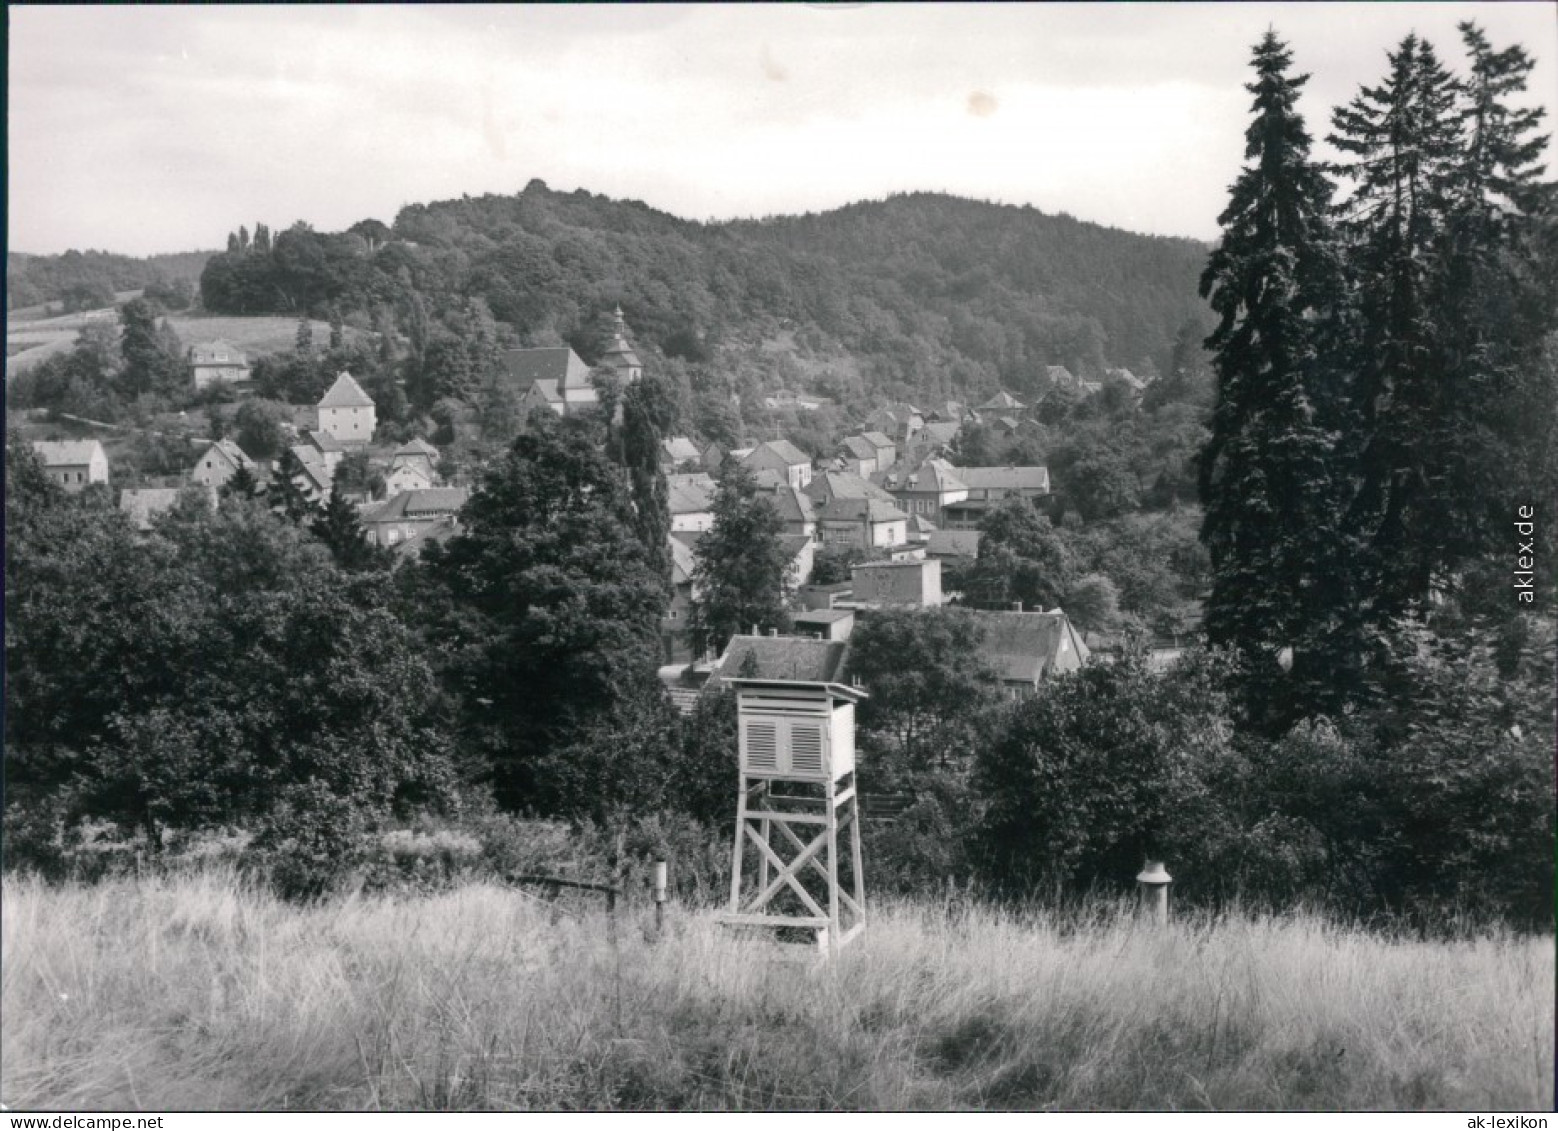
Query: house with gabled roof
{"points": [[899, 422], [416, 452], [691, 498], [1023, 649], [553, 377], [73, 464], [867, 523], [886, 449], [315, 476], [1002, 403], [896, 584], [677, 451], [830, 485], [780, 456], [926, 489], [347, 413], [219, 463], [411, 513], [796, 509], [674, 640], [858, 456], [218, 361], [988, 487]]}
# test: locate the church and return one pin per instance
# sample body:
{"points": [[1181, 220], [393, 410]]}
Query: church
{"points": [[557, 378]]}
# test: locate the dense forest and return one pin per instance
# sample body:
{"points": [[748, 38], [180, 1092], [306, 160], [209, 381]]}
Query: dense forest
{"points": [[921, 295]]}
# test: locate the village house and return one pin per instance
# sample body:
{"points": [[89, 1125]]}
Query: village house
{"points": [[925, 490], [780, 456], [691, 501], [898, 422], [315, 475], [347, 413], [830, 485], [326, 447], [1023, 649], [823, 624], [800, 552], [869, 524], [824, 597], [886, 450], [1002, 404], [674, 640], [411, 513], [678, 451], [406, 477], [73, 464], [987, 488], [796, 509], [951, 545], [418, 453], [934, 440], [217, 362], [440, 531], [857, 456], [219, 463], [712, 456], [892, 584]]}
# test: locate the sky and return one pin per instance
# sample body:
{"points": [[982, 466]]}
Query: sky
{"points": [[158, 129]]}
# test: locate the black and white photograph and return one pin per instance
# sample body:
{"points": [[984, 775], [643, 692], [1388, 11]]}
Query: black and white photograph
{"points": [[810, 557]]}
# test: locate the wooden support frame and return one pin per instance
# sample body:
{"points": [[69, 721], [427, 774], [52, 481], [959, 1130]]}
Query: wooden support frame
{"points": [[794, 840]]}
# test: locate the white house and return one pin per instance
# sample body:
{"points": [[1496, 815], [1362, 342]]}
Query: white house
{"points": [[347, 413], [73, 464]]}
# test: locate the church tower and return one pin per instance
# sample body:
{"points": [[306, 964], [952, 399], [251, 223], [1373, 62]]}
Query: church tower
{"points": [[619, 356]]}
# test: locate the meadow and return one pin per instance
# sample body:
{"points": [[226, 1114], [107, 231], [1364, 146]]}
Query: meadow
{"points": [[200, 991]]}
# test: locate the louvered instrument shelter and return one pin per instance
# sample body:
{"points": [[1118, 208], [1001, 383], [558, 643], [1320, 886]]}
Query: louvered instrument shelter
{"points": [[797, 797]]}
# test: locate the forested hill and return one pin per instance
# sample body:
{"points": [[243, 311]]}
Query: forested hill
{"points": [[917, 295]]}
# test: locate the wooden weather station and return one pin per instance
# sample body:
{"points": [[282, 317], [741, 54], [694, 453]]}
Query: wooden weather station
{"points": [[796, 806]]}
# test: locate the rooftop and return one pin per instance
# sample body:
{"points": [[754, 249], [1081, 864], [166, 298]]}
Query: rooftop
{"points": [[67, 453], [784, 657], [345, 393]]}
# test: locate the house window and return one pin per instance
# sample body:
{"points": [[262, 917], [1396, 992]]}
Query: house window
{"points": [[394, 536]]}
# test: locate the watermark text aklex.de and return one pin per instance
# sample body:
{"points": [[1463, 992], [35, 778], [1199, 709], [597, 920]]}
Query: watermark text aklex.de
{"points": [[1525, 557]]}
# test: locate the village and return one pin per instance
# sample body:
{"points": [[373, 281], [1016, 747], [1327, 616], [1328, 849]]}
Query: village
{"points": [[890, 505]]}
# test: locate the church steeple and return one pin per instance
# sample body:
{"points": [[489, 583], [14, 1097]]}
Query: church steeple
{"points": [[619, 355]]}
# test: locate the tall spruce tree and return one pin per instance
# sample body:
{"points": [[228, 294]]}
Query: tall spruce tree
{"points": [[647, 415], [1404, 137], [1267, 476]]}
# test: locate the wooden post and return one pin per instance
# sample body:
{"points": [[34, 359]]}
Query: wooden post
{"points": [[660, 878], [1152, 884], [833, 871]]}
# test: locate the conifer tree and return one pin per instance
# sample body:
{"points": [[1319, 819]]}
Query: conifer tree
{"points": [[647, 414], [339, 527], [1267, 477], [1404, 137], [285, 494]]}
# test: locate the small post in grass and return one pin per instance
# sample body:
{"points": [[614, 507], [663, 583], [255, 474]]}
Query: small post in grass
{"points": [[659, 897], [1152, 884]]}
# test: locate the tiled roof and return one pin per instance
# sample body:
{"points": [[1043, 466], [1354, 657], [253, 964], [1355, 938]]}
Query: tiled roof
{"points": [[323, 441], [876, 439], [942, 432], [822, 616], [411, 504], [207, 353], [793, 504], [953, 543], [1006, 478], [345, 393], [558, 364], [67, 453], [841, 485], [680, 449], [1003, 399], [785, 450], [417, 447], [683, 561], [441, 531], [547, 391], [1024, 647], [860, 447], [784, 657], [795, 544], [858, 510], [690, 494], [233, 453]]}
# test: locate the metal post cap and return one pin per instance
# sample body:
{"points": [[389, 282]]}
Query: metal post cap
{"points": [[1154, 873]]}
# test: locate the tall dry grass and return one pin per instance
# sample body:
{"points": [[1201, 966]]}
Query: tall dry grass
{"points": [[198, 992]]}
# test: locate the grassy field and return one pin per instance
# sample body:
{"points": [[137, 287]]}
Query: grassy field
{"points": [[198, 992]]}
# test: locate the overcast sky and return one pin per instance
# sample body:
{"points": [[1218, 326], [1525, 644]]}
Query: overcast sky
{"points": [[145, 129]]}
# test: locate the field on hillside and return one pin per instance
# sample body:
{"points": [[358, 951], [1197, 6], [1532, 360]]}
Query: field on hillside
{"points": [[30, 340], [197, 992]]}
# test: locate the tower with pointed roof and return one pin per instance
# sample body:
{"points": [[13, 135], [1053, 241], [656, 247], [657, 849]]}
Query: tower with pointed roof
{"points": [[619, 356], [347, 413]]}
